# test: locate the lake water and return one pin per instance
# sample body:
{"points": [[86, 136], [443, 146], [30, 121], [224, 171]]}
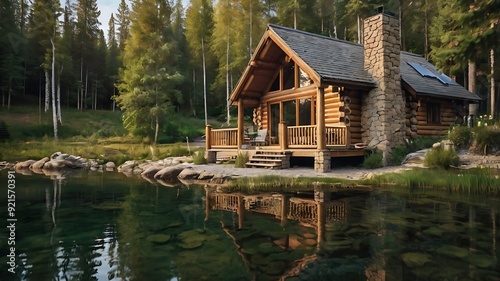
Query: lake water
{"points": [[106, 226]]}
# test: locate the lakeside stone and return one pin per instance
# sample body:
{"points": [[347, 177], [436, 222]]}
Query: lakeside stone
{"points": [[169, 173], [24, 164], [188, 174], [40, 163], [150, 171]]}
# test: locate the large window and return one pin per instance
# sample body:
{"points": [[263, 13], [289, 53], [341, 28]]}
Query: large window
{"points": [[433, 113]]}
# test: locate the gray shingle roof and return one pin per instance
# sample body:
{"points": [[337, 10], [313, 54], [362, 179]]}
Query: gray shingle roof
{"points": [[428, 85], [338, 60], [332, 59]]}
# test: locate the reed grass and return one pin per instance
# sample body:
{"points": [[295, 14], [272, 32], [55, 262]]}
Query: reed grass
{"points": [[474, 181], [275, 183]]}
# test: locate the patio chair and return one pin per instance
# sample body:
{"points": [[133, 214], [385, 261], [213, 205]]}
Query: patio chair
{"points": [[261, 138]]}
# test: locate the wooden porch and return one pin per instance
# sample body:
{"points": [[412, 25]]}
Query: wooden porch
{"points": [[293, 141]]}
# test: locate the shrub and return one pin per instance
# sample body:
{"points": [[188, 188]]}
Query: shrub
{"points": [[441, 158], [487, 139], [199, 157], [461, 136], [374, 160], [241, 160], [399, 154]]}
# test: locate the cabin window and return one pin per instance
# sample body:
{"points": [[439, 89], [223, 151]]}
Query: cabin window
{"points": [[289, 113], [288, 75], [305, 112], [275, 119], [304, 79], [433, 113]]}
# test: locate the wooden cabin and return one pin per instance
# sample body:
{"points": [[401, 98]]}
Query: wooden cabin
{"points": [[321, 97]]}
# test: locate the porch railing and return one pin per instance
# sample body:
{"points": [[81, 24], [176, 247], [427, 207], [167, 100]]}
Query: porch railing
{"points": [[224, 138], [306, 136], [297, 137], [302, 136], [336, 136]]}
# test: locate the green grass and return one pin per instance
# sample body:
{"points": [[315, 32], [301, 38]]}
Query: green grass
{"points": [[273, 183], [474, 181], [96, 134]]}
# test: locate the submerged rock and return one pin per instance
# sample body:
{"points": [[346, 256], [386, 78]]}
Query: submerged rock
{"points": [[158, 238], [453, 251], [415, 259]]}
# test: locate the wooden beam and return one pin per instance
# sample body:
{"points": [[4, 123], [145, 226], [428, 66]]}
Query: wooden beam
{"points": [[264, 64], [320, 119], [241, 124]]}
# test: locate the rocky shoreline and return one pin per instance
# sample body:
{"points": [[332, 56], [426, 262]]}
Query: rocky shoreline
{"points": [[169, 170]]}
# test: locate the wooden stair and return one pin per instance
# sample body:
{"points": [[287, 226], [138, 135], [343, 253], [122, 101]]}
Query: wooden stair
{"points": [[269, 159]]}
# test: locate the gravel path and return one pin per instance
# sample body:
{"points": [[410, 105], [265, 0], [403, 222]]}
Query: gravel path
{"points": [[339, 172]]}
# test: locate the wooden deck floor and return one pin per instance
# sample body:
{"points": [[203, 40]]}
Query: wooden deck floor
{"points": [[228, 152]]}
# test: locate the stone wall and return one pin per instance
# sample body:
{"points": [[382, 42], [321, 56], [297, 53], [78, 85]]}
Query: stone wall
{"points": [[383, 109]]}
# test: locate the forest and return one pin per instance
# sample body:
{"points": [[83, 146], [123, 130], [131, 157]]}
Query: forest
{"points": [[158, 59]]}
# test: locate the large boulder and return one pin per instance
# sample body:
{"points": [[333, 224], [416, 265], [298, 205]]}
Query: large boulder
{"points": [[24, 164], [40, 163], [188, 174], [151, 171], [56, 164], [128, 166], [169, 174]]}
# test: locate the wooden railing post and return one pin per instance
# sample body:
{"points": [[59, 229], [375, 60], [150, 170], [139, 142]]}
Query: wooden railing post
{"points": [[283, 135], [208, 137]]}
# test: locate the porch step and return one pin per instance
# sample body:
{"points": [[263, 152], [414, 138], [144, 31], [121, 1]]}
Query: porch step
{"points": [[269, 159]]}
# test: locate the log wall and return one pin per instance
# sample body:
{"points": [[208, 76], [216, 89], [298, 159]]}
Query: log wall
{"points": [[355, 114], [416, 117]]}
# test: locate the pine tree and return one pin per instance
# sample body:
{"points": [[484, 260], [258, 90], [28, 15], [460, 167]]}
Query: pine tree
{"points": [[86, 41], [148, 84], [11, 71], [199, 28], [123, 22]]}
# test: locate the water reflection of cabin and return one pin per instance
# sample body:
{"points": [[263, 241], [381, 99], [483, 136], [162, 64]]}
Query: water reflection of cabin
{"points": [[309, 212], [321, 97]]}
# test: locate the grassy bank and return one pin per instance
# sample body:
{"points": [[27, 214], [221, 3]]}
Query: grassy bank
{"points": [[97, 134], [474, 181]]}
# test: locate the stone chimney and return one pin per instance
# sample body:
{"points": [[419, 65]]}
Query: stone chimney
{"points": [[383, 117]]}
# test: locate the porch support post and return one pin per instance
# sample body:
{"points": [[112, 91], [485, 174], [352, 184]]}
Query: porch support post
{"points": [[208, 138], [210, 155], [320, 119], [322, 157], [241, 124], [283, 135]]}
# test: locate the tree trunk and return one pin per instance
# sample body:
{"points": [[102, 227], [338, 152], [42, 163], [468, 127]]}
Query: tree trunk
{"points": [[47, 90], [472, 76], [227, 80], [204, 81], [157, 129], [492, 82], [54, 109], [59, 114], [84, 101]]}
